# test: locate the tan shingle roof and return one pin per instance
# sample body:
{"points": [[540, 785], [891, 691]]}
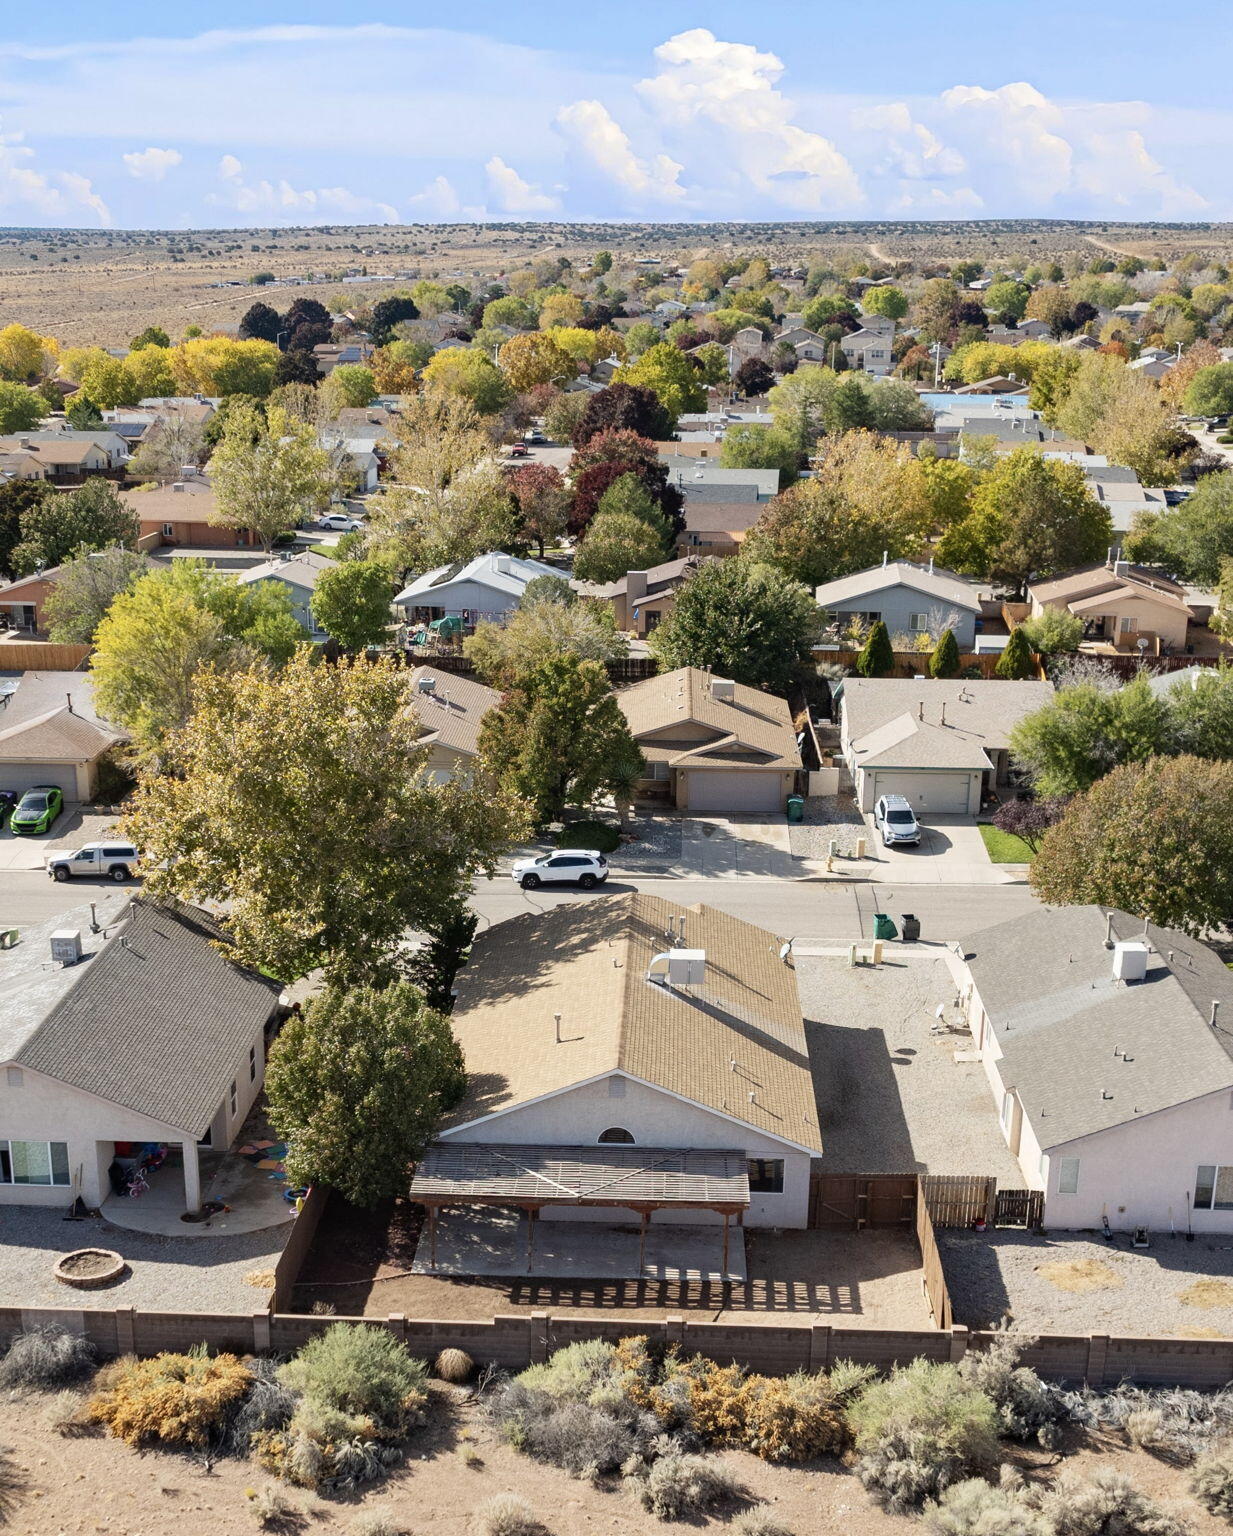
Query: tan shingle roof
{"points": [[1100, 581], [454, 711], [983, 711], [59, 736], [752, 725], [739, 1034]]}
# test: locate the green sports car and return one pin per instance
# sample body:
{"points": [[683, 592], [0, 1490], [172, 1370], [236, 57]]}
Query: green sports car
{"points": [[37, 809]]}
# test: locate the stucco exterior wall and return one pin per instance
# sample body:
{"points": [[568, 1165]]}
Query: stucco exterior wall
{"points": [[895, 605], [654, 1119]]}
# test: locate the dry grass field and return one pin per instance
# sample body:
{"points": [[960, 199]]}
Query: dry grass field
{"points": [[102, 286]]}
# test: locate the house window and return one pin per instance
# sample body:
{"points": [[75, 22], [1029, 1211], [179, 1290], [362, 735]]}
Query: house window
{"points": [[1068, 1176], [1213, 1188], [918, 622], [168, 530], [252, 1064], [1128, 626], [765, 1175], [616, 1134], [34, 1162], [235, 1096]]}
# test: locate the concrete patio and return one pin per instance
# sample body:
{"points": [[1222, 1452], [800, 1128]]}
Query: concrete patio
{"points": [[493, 1242], [254, 1201]]}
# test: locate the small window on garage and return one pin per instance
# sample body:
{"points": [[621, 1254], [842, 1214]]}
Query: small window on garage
{"points": [[14, 1077], [918, 622], [765, 1175], [616, 1134], [168, 531]]}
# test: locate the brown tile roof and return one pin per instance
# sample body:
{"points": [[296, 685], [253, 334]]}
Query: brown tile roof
{"points": [[751, 729], [1099, 580], [735, 1045], [452, 713], [165, 505]]}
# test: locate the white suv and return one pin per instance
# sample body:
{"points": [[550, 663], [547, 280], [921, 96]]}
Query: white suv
{"points": [[105, 861], [587, 866], [897, 821]]}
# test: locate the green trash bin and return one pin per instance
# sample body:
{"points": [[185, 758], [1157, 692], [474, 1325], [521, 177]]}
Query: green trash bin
{"points": [[796, 807], [883, 926]]}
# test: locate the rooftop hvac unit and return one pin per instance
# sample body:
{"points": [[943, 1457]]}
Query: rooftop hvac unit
{"points": [[426, 685], [723, 688], [66, 946], [679, 968], [1129, 960]]}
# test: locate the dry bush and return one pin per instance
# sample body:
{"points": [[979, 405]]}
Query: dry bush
{"points": [[178, 1400], [268, 1405], [1211, 1481], [358, 1369], [454, 1365], [1107, 1504], [919, 1431], [573, 1372], [976, 1508], [12, 1485], [376, 1522], [507, 1515], [272, 1508], [65, 1414], [759, 1522], [682, 1487], [848, 1378], [792, 1418], [585, 1440], [1026, 1408], [1145, 1428], [46, 1359]]}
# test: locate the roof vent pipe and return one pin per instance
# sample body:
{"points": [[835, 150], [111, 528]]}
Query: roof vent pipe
{"points": [[556, 1019], [1215, 1011], [920, 710], [943, 712], [885, 556]]}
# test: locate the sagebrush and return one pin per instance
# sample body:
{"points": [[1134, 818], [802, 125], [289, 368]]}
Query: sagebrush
{"points": [[171, 1399], [46, 1359], [1106, 1504], [361, 1370], [1211, 1481], [507, 1515], [681, 1486], [1026, 1408]]}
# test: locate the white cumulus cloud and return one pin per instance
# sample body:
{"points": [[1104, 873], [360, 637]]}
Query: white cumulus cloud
{"points": [[152, 164], [54, 197], [513, 193], [439, 203], [599, 136], [295, 205]]}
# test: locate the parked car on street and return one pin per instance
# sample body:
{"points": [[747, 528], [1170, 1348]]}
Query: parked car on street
{"points": [[519, 451], [586, 867], [339, 522], [896, 820], [37, 809], [534, 435], [115, 860], [8, 799]]}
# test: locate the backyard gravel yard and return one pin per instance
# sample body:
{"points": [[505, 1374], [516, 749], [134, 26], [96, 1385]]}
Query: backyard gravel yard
{"points": [[165, 1274], [1073, 1283], [826, 817], [891, 1097]]}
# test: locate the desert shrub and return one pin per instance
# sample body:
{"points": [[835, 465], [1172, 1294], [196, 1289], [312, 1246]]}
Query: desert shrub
{"points": [[46, 1359], [848, 1378], [583, 1439], [65, 1413], [326, 1448], [1107, 1504], [1026, 1408], [759, 1522], [178, 1400], [376, 1522], [681, 1486], [361, 1370], [1211, 1481], [792, 1418], [976, 1508], [271, 1506], [574, 1371], [12, 1484], [1145, 1428], [919, 1431], [268, 1405], [507, 1515], [1192, 1422], [454, 1365]]}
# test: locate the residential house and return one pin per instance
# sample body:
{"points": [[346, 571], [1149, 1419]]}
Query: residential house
{"points": [[941, 743], [298, 573], [908, 598], [748, 342], [62, 458], [123, 1022], [20, 465], [641, 600], [1121, 605], [1153, 367], [179, 515], [1081, 343], [717, 518], [998, 384], [51, 733], [711, 744], [23, 601], [1135, 311], [450, 709], [114, 447], [1117, 486], [487, 587], [1036, 330], [671, 309], [330, 354], [870, 348], [1106, 1047], [607, 1061]]}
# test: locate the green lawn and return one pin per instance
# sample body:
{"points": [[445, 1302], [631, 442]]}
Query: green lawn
{"points": [[1004, 847]]}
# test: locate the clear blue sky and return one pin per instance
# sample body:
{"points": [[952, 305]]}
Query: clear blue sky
{"points": [[140, 114]]}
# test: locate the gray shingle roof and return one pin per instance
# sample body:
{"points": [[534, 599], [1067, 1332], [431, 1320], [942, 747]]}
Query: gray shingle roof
{"points": [[156, 1019], [1085, 1052]]}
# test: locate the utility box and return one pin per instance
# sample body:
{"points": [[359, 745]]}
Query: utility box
{"points": [[686, 967]]}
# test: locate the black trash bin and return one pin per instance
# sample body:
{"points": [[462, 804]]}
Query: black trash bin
{"points": [[910, 927]]}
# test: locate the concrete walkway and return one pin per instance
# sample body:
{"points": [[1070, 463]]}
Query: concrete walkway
{"points": [[254, 1200]]}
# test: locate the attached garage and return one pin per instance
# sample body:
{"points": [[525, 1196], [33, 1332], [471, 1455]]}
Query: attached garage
{"points": [[727, 789], [938, 793], [23, 776]]}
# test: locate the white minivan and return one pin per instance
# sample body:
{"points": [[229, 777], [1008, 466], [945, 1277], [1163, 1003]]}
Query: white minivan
{"points": [[113, 860]]}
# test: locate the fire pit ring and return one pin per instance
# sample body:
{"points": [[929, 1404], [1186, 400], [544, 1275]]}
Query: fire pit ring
{"points": [[89, 1268]]}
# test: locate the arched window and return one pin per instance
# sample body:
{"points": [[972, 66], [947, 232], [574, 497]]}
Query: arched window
{"points": [[617, 1133]]}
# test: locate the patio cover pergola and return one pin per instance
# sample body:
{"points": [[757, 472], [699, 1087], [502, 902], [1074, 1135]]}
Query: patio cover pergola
{"points": [[642, 1179]]}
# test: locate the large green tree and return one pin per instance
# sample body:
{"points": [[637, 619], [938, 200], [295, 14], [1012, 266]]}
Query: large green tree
{"points": [[356, 1085], [1084, 731], [351, 602], [558, 737], [627, 533], [1191, 539], [667, 371], [16, 498], [267, 472], [1154, 838], [538, 631], [1210, 392], [55, 527], [749, 622], [85, 589], [266, 755], [21, 409]]}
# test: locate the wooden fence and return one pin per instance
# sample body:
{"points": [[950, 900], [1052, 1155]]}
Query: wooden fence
{"points": [[42, 656], [858, 1201], [628, 669], [933, 1275], [291, 1259], [959, 1199], [916, 663]]}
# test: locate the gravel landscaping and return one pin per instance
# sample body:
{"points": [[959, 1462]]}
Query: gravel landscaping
{"points": [[1077, 1283], [891, 1097], [826, 817], [656, 849], [164, 1274]]}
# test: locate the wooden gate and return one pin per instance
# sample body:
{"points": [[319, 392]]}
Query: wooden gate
{"points": [[959, 1199], [857, 1201], [1019, 1208]]}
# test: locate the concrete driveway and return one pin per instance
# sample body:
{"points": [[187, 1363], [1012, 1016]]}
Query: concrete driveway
{"points": [[76, 824], [951, 852]]}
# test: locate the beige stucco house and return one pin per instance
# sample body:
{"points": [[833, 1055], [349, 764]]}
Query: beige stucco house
{"points": [[711, 744], [1120, 605], [1106, 1045], [450, 710], [641, 600], [50, 733]]}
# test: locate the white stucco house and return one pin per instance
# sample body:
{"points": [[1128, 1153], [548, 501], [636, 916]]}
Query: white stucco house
{"points": [[1108, 1050], [487, 587], [298, 573], [617, 1061], [121, 1022], [450, 711]]}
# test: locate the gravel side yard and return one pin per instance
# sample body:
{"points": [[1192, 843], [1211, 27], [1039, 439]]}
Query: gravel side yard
{"points": [[165, 1274], [826, 816], [656, 849], [891, 1097], [1072, 1283]]}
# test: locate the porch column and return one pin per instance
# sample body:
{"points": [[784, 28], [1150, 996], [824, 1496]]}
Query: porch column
{"points": [[192, 1176]]}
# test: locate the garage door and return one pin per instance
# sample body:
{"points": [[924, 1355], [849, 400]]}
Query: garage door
{"points": [[753, 794], [25, 776], [926, 793]]}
